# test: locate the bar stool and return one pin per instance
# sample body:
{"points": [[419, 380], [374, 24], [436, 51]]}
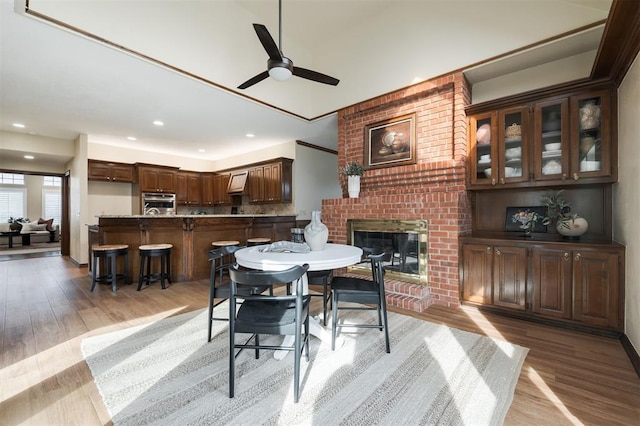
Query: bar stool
{"points": [[227, 260], [111, 252], [258, 241], [148, 251]]}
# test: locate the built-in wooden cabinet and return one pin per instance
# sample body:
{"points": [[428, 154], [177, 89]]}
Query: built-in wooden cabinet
{"points": [[188, 188], [495, 275], [546, 141], [220, 183], [207, 188], [110, 171], [271, 182], [153, 178], [565, 282]]}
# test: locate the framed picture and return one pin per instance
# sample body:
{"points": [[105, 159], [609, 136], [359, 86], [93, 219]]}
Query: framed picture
{"points": [[517, 216], [390, 143]]}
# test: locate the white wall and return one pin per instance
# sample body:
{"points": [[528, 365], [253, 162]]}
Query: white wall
{"points": [[315, 177], [626, 197], [108, 198], [14, 145], [78, 203]]}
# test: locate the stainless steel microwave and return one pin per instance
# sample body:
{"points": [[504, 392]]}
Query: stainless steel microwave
{"points": [[158, 203]]}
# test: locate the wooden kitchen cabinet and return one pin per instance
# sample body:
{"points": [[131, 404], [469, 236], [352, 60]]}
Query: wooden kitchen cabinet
{"points": [[220, 183], [188, 192], [573, 283], [207, 187], [565, 139], [271, 182], [495, 275], [110, 171], [256, 185], [153, 178]]}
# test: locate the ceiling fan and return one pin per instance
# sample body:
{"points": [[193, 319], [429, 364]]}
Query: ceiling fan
{"points": [[278, 66]]}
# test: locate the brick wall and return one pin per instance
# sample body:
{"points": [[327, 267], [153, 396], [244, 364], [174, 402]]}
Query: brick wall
{"points": [[433, 189]]}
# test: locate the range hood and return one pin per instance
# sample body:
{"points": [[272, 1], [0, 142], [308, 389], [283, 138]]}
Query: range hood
{"points": [[237, 183]]}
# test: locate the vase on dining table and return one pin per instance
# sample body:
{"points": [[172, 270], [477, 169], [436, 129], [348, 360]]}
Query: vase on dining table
{"points": [[316, 233]]}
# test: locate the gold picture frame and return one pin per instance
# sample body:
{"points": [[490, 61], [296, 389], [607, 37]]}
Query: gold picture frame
{"points": [[390, 142]]}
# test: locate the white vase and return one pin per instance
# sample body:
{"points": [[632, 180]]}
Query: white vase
{"points": [[572, 228], [353, 185], [316, 233]]}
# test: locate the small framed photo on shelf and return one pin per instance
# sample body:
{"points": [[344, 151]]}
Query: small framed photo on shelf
{"points": [[516, 217], [390, 143]]}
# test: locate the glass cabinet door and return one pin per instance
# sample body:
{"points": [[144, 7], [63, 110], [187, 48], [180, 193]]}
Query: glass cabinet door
{"points": [[483, 152], [591, 141], [551, 140], [512, 141]]}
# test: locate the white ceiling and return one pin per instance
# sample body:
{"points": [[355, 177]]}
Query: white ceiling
{"points": [[61, 84]]}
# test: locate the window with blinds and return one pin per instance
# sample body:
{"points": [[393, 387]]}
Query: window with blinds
{"points": [[12, 203], [52, 198]]}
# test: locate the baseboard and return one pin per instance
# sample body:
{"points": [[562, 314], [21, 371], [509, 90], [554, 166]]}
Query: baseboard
{"points": [[634, 357]]}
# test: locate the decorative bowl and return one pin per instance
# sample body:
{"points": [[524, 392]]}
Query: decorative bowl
{"points": [[485, 157], [510, 172], [513, 153], [487, 172], [483, 134], [589, 166], [552, 146], [513, 131]]}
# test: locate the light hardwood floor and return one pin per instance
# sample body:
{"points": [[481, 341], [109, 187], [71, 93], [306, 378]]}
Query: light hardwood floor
{"points": [[46, 309]]}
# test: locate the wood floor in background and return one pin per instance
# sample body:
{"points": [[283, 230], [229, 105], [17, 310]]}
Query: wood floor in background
{"points": [[46, 309]]}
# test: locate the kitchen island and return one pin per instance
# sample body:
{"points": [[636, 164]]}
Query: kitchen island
{"points": [[190, 235]]}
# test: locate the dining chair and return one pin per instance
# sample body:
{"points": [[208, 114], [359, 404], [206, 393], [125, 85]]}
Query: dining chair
{"points": [[322, 278], [267, 314], [362, 291], [219, 284]]}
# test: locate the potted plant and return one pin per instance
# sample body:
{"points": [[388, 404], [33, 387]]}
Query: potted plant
{"points": [[16, 223], [353, 170], [568, 224]]}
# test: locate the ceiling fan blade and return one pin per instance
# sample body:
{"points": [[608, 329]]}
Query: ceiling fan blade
{"points": [[253, 80], [267, 42], [315, 76]]}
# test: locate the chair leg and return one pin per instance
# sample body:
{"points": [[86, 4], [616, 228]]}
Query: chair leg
{"points": [[256, 339], [324, 302], [141, 272], [114, 274], [211, 289], [296, 362], [386, 325], [334, 320], [169, 267], [162, 274], [93, 272]]}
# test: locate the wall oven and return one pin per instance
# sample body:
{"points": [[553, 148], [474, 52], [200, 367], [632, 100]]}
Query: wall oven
{"points": [[158, 203]]}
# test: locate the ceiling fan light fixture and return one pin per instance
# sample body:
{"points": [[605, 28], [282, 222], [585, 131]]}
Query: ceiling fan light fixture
{"points": [[280, 73]]}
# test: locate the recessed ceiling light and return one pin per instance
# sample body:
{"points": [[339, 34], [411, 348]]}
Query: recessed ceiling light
{"points": [[158, 123], [19, 125], [202, 150], [29, 157], [132, 138], [250, 135]]}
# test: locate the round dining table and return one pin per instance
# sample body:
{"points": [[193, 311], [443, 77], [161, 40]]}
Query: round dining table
{"points": [[333, 256]]}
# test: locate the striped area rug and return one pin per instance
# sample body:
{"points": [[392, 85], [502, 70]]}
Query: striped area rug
{"points": [[165, 373]]}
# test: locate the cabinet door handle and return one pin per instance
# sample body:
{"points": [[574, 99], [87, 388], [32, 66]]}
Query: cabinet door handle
{"points": [[501, 181], [493, 181], [577, 257], [564, 176], [488, 250], [498, 252], [565, 256], [575, 176]]}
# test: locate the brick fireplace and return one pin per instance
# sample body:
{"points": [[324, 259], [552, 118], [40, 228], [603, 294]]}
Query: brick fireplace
{"points": [[431, 190]]}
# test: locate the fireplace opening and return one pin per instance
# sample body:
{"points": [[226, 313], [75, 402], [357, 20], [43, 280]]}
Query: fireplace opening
{"points": [[404, 240]]}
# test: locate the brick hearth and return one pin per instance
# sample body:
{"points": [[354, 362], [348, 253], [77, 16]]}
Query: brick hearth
{"points": [[433, 189]]}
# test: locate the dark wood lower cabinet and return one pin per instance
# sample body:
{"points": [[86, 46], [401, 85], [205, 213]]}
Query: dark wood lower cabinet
{"points": [[574, 284], [191, 237]]}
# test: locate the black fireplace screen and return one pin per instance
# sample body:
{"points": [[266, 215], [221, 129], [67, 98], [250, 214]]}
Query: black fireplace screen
{"points": [[404, 240]]}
